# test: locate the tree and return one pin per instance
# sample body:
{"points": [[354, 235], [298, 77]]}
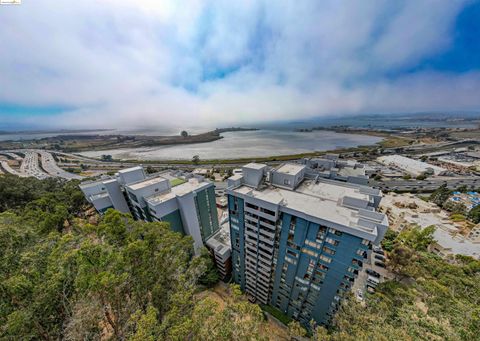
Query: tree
{"points": [[440, 195], [196, 159], [210, 276], [388, 241], [107, 158], [474, 214], [422, 176], [296, 329], [150, 170], [455, 207], [416, 237], [184, 133]]}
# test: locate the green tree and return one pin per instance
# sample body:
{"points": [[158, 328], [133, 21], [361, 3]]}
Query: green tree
{"points": [[455, 207], [474, 214], [440, 195]]}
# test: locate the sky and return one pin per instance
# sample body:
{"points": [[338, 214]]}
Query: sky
{"points": [[149, 63]]}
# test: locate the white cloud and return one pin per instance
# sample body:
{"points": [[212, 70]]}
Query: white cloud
{"points": [[143, 63]]}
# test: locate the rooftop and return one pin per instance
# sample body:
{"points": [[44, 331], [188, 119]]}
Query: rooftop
{"points": [[220, 241], [410, 165], [191, 185], [236, 177], [322, 201], [290, 168], [128, 170], [145, 183], [331, 190], [253, 165]]}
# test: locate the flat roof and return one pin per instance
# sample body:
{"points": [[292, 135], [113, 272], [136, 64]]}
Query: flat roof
{"points": [[331, 190], [410, 165], [127, 170], [145, 183], [290, 168], [321, 201], [254, 165], [236, 177], [178, 191]]}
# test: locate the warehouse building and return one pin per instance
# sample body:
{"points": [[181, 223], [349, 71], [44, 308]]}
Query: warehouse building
{"points": [[411, 166]]}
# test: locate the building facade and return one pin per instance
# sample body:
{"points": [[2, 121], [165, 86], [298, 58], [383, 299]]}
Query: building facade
{"points": [[298, 243], [185, 201]]}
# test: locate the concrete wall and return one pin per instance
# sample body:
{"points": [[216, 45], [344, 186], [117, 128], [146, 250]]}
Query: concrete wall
{"points": [[130, 175], [252, 177], [189, 215], [116, 196]]}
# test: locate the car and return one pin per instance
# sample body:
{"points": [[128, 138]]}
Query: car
{"points": [[372, 273], [359, 294], [380, 257], [370, 289], [380, 264], [380, 252], [374, 281]]}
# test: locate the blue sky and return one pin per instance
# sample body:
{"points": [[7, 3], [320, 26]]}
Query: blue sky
{"points": [[145, 63]]}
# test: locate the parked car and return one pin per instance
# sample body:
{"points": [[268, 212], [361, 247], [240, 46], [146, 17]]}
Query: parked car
{"points": [[380, 264], [379, 257], [374, 281], [372, 273], [380, 252], [359, 295], [370, 289]]}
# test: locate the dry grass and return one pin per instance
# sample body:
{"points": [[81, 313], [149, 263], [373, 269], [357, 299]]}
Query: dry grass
{"points": [[220, 295]]}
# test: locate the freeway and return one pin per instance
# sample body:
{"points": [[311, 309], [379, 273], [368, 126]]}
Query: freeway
{"points": [[428, 185], [51, 167], [10, 170], [12, 155], [30, 166]]}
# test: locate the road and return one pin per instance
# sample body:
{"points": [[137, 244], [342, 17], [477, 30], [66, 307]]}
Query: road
{"points": [[427, 185], [51, 167], [30, 166], [10, 170], [12, 155]]}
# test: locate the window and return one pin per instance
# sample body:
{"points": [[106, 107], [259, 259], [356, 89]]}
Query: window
{"points": [[290, 260], [323, 267], [321, 233], [325, 259], [133, 197], [291, 253], [286, 182], [332, 241], [312, 244], [309, 252], [328, 250]]}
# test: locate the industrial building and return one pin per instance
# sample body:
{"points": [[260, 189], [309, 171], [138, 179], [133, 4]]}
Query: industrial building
{"points": [[187, 202], [298, 241], [332, 167], [411, 166]]}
